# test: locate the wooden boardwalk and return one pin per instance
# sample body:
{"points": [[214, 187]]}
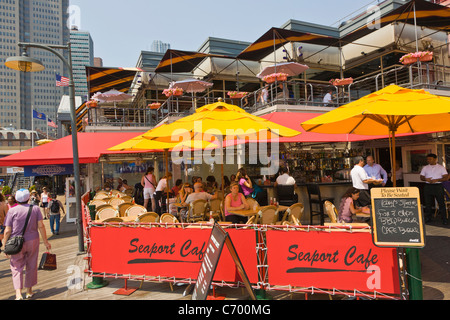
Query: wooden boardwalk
{"points": [[69, 281]]}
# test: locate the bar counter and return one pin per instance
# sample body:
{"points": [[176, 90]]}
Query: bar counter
{"points": [[327, 189]]}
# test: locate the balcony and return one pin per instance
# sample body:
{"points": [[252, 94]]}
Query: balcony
{"points": [[293, 95]]}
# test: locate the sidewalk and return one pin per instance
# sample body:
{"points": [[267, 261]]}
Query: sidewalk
{"points": [[69, 281]]}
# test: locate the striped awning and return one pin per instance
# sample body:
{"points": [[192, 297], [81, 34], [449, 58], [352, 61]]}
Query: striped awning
{"points": [[429, 15], [183, 61], [277, 37], [105, 79]]}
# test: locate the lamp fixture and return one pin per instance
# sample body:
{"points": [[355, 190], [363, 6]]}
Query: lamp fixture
{"points": [[24, 63]]}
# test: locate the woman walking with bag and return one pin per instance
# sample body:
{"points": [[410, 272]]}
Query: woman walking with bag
{"points": [[27, 258]]}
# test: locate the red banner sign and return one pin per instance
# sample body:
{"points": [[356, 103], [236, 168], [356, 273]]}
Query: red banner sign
{"points": [[167, 252], [339, 260]]}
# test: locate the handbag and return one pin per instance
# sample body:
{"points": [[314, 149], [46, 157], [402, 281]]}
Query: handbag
{"points": [[14, 245], [48, 261]]}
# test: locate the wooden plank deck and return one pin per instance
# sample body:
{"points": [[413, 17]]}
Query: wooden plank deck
{"points": [[69, 281]]}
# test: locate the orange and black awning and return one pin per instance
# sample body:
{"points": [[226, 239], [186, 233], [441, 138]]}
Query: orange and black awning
{"points": [[277, 37], [183, 61], [429, 15], [104, 79]]}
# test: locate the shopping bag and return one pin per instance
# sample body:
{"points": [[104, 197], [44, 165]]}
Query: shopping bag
{"points": [[48, 261]]}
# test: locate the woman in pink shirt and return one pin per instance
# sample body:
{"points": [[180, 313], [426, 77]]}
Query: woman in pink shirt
{"points": [[347, 207], [235, 201], [148, 181]]}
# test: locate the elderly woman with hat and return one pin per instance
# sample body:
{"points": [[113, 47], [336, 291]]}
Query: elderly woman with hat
{"points": [[28, 257]]}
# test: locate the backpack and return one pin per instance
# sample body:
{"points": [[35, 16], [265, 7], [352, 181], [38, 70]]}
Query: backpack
{"points": [[54, 208]]}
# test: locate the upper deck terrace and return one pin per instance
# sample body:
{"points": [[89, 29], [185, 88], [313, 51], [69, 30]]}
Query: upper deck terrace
{"points": [[295, 95]]}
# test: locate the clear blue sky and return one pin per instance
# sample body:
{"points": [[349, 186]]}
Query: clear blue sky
{"points": [[121, 29]]}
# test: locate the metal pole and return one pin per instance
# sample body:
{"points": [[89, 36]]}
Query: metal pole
{"points": [[414, 274], [76, 162]]}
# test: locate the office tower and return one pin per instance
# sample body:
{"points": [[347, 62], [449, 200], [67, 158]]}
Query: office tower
{"points": [[41, 22], [82, 56], [159, 46]]}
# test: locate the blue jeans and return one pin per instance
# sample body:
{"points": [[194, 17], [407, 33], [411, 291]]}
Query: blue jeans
{"points": [[55, 218]]}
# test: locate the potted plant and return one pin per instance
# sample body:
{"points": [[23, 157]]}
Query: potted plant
{"points": [[341, 82], [275, 77], [236, 94], [173, 92], [154, 105], [92, 103], [412, 57]]}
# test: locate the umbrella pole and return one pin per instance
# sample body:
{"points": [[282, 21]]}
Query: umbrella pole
{"points": [[166, 155], [394, 180]]}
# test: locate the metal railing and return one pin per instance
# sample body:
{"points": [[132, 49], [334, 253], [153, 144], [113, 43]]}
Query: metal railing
{"points": [[292, 92]]}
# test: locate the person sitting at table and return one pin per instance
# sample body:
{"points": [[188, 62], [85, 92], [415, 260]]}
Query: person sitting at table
{"points": [[211, 184], [125, 186], [244, 182], [235, 201], [226, 185], [184, 192], [347, 207], [199, 194], [177, 187]]}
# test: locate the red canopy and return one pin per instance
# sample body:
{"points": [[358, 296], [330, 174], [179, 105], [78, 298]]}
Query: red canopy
{"points": [[91, 145]]}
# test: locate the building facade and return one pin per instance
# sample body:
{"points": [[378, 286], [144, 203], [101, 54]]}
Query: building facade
{"points": [[38, 22], [82, 56]]}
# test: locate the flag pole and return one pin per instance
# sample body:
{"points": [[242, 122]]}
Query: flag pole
{"points": [[32, 126]]}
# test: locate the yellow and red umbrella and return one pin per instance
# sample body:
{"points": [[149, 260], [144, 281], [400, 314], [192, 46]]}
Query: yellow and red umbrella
{"points": [[391, 110]]}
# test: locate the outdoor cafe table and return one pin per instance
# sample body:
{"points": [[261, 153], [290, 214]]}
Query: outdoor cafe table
{"points": [[251, 212]]}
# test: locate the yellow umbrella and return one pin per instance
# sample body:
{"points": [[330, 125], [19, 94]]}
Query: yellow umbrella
{"points": [[140, 143], [391, 110], [220, 120]]}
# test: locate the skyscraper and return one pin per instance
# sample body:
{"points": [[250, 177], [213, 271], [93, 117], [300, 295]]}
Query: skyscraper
{"points": [[82, 56], [159, 46], [38, 22]]}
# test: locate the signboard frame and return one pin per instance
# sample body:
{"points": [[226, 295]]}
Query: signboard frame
{"points": [[218, 239], [394, 194]]}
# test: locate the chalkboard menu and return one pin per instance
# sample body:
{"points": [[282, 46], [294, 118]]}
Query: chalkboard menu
{"points": [[210, 260], [397, 217]]}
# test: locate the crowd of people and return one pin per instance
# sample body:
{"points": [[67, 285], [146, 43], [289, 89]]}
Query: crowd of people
{"points": [[366, 174]]}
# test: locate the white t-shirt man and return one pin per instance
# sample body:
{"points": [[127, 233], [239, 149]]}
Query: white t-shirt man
{"points": [[434, 172], [359, 175], [285, 179], [327, 100]]}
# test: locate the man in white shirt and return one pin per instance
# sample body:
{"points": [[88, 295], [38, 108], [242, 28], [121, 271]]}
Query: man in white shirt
{"points": [[434, 174], [284, 178], [328, 99], [360, 181]]}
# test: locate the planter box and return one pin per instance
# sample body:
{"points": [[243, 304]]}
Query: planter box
{"points": [[238, 96], [343, 82], [426, 58], [409, 60]]}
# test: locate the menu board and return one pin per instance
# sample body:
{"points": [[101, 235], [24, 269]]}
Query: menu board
{"points": [[397, 217], [210, 260]]}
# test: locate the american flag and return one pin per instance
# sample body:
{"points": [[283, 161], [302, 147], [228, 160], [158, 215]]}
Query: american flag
{"points": [[51, 123], [62, 81]]}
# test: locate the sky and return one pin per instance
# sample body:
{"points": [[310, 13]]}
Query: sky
{"points": [[122, 29]]}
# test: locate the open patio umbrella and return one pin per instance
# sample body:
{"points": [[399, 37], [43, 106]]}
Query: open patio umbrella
{"points": [[290, 68], [141, 143], [391, 110], [112, 96], [220, 120], [191, 85]]}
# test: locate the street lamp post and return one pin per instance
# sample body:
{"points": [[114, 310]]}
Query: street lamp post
{"points": [[27, 64]]}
